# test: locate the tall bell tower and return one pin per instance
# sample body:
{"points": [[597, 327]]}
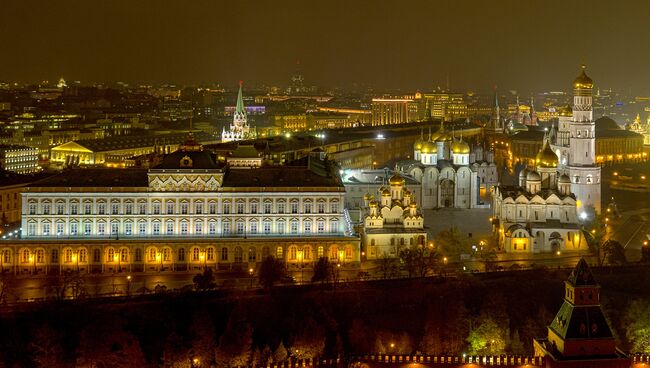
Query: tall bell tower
{"points": [[582, 168]]}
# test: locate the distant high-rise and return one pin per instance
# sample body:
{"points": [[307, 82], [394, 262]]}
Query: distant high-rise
{"points": [[239, 129]]}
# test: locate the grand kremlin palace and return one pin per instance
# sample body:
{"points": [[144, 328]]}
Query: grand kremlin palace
{"points": [[187, 213]]}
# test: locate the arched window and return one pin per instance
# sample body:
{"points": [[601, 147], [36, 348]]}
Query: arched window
{"points": [[167, 255], [252, 255], [83, 255], [124, 255], [55, 256], [195, 254], [67, 255], [224, 254], [138, 255], [210, 254], [306, 253], [152, 254], [110, 254], [279, 253], [25, 256], [293, 253]]}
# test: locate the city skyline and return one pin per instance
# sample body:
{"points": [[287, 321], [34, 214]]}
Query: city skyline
{"points": [[517, 46]]}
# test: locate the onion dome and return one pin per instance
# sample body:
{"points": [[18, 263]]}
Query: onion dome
{"points": [[583, 81], [367, 197], [533, 176], [564, 179], [413, 205], [565, 111], [444, 137], [429, 147], [546, 157], [523, 173], [417, 146], [407, 193], [373, 204], [459, 147], [396, 179], [385, 193]]}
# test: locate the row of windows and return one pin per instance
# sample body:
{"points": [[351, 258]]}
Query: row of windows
{"points": [[170, 228], [184, 208], [166, 254]]}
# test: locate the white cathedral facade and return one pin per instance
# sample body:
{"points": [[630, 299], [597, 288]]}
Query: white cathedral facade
{"points": [[451, 174], [239, 129], [393, 222], [575, 145], [543, 213]]}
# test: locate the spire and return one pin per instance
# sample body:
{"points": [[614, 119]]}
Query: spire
{"points": [[532, 106], [240, 100]]}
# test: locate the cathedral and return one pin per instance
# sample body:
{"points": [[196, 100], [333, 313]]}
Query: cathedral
{"points": [[450, 172], [392, 222], [540, 214], [239, 129], [575, 145]]}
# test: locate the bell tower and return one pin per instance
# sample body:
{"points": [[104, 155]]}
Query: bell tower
{"points": [[582, 168]]}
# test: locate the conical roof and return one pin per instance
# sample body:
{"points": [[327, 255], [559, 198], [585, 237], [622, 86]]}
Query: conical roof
{"points": [[581, 275]]}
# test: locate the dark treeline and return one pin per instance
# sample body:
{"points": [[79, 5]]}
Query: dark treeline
{"points": [[488, 314]]}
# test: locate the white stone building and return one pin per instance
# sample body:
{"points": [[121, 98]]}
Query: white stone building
{"points": [[451, 174], [392, 222], [540, 214]]}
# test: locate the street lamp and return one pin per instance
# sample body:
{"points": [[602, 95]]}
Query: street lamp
{"points": [[203, 260], [75, 259], [32, 259], [159, 258], [251, 271], [128, 285], [116, 259]]}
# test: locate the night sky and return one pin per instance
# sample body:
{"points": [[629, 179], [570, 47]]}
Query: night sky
{"points": [[523, 45]]}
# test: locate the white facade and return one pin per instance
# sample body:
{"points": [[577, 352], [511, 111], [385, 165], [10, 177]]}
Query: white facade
{"points": [[539, 215], [451, 174], [393, 222], [575, 144]]}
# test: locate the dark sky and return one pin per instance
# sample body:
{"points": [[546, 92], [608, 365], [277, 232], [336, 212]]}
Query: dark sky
{"points": [[516, 44]]}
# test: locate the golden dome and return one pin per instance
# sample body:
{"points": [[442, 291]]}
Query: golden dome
{"points": [[418, 144], [385, 193], [413, 205], [373, 204], [407, 193], [565, 111], [546, 157], [429, 147], [459, 147], [583, 81], [396, 179], [444, 137], [367, 197]]}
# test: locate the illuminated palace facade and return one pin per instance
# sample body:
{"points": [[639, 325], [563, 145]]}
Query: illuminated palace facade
{"points": [[186, 213]]}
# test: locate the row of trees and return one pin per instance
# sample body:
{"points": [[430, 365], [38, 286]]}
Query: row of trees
{"points": [[467, 316]]}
